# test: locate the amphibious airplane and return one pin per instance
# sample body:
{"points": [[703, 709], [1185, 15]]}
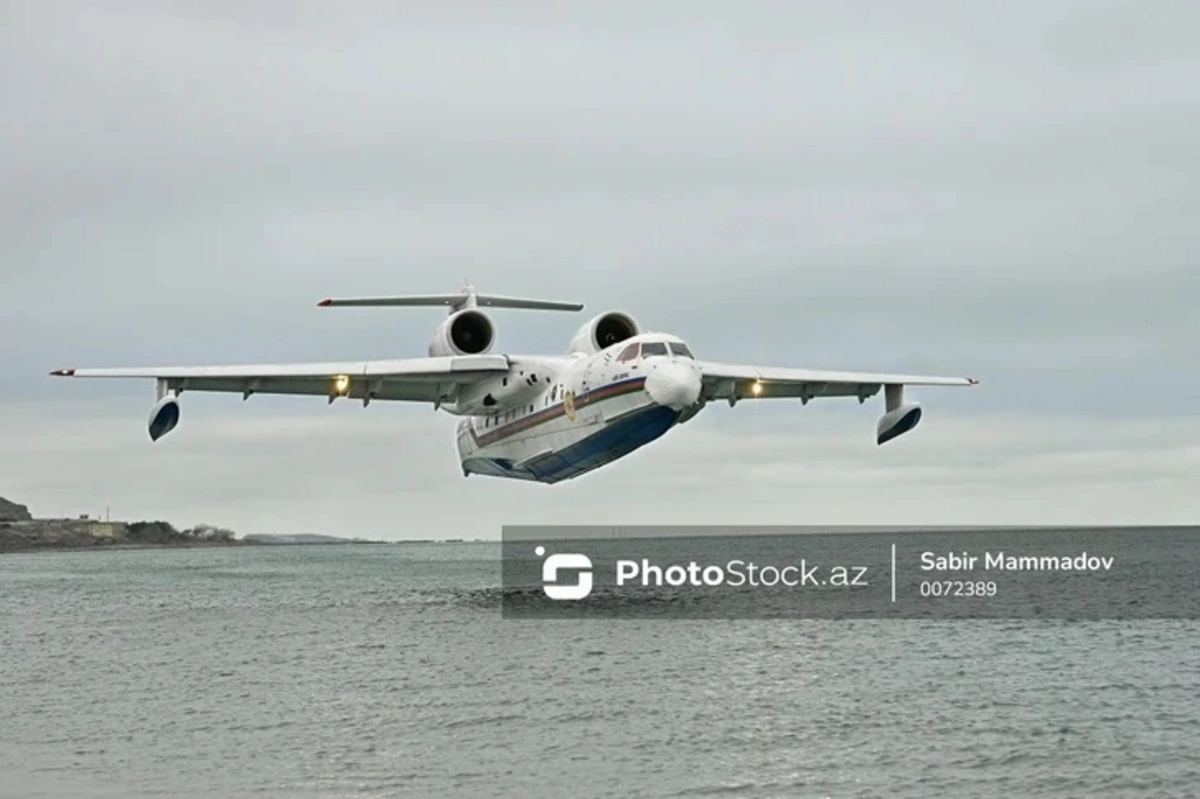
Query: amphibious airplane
{"points": [[537, 417]]}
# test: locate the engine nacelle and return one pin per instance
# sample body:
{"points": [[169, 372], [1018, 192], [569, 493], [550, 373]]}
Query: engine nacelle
{"points": [[603, 331], [467, 332], [897, 422], [163, 417]]}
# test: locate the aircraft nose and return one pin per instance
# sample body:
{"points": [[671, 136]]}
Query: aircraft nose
{"points": [[674, 385]]}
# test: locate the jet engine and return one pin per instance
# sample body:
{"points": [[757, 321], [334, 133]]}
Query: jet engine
{"points": [[467, 332], [603, 331]]}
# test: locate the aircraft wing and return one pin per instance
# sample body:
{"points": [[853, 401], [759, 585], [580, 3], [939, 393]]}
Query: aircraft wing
{"points": [[735, 381], [412, 379]]}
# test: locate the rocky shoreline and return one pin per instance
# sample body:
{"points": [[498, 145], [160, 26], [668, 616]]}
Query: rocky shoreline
{"points": [[21, 532]]}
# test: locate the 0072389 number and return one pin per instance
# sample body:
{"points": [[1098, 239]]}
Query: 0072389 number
{"points": [[957, 588]]}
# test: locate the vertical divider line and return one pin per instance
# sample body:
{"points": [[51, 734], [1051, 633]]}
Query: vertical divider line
{"points": [[893, 573]]}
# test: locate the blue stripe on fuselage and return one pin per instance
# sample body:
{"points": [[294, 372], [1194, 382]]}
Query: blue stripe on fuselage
{"points": [[614, 441]]}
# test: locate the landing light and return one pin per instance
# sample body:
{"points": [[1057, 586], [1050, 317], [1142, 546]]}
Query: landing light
{"points": [[756, 388], [341, 384]]}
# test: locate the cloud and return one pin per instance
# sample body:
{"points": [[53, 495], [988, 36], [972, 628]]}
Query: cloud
{"points": [[1009, 194]]}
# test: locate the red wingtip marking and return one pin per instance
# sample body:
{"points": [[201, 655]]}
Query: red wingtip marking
{"points": [[324, 303], [63, 372]]}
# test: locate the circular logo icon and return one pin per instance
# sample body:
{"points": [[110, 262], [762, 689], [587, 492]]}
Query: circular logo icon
{"points": [[569, 404]]}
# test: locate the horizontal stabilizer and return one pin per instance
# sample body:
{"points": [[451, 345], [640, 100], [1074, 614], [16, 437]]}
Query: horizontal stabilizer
{"points": [[495, 301], [413, 300], [455, 301]]}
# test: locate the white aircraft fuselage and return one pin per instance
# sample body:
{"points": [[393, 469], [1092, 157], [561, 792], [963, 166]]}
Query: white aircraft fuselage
{"points": [[578, 414]]}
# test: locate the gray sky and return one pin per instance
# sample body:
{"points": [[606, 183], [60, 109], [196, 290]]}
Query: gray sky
{"points": [[933, 187]]}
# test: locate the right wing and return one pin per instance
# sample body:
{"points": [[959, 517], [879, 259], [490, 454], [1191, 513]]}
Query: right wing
{"points": [[412, 379], [726, 381], [736, 381]]}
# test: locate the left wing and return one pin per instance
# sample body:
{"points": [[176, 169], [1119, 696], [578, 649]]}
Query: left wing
{"points": [[411, 379], [414, 379], [733, 382]]}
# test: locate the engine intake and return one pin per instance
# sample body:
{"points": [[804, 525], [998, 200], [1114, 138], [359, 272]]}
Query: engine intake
{"points": [[604, 331], [468, 332]]}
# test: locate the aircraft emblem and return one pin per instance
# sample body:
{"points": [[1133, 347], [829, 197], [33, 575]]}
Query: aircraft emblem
{"points": [[569, 404]]}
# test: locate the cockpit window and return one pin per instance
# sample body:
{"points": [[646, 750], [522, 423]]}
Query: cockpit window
{"points": [[629, 353], [680, 349], [653, 348]]}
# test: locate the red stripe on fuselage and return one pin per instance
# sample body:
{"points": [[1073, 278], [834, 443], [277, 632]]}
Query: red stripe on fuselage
{"points": [[555, 411]]}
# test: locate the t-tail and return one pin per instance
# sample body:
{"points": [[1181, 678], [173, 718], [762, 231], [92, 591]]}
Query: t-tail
{"points": [[467, 330], [465, 298]]}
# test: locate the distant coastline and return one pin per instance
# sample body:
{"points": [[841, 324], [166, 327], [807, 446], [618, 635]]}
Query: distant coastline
{"points": [[27, 535], [20, 531], [295, 539], [73, 535]]}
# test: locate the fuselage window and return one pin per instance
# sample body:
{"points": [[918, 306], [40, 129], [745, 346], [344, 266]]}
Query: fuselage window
{"points": [[629, 353], [681, 350], [650, 348]]}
